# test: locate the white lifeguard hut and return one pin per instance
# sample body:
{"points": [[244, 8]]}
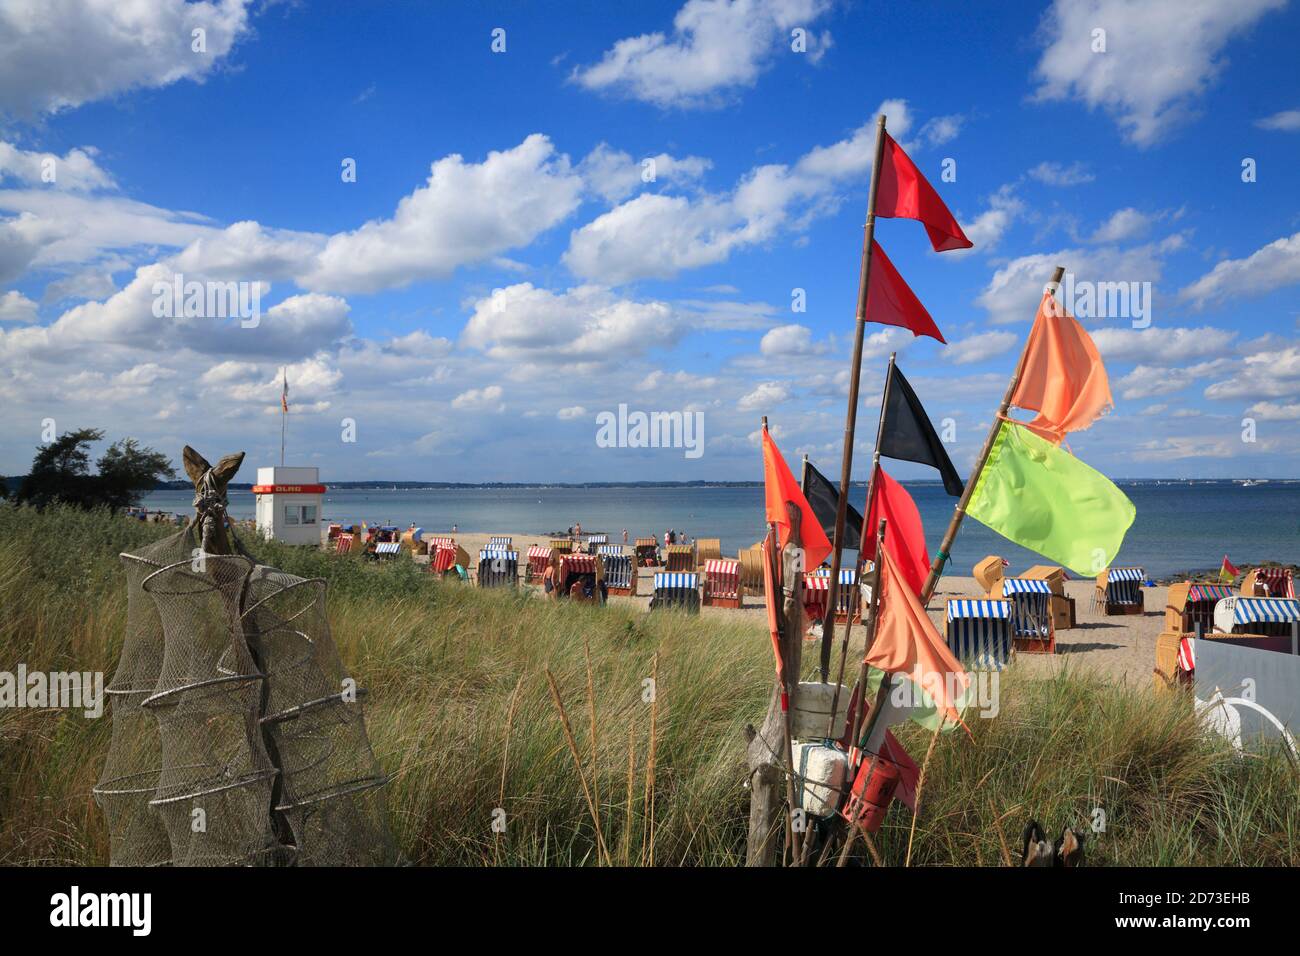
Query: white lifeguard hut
{"points": [[289, 504]]}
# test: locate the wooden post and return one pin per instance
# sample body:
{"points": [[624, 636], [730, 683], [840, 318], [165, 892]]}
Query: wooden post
{"points": [[959, 512], [767, 767], [862, 536], [851, 416]]}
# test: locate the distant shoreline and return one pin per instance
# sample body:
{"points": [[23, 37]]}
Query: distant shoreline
{"points": [[185, 485]]}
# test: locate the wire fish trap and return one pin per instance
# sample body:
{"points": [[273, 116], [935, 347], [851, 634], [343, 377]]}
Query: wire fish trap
{"points": [[238, 737]]}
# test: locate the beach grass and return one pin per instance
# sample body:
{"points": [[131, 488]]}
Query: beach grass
{"points": [[461, 713]]}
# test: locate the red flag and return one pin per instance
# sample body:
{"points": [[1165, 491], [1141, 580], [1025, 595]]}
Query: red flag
{"points": [[907, 643], [890, 301], [781, 487], [909, 774], [903, 193], [904, 533], [1229, 571]]}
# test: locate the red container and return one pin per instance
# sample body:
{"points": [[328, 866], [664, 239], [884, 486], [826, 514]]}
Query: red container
{"points": [[872, 793]]}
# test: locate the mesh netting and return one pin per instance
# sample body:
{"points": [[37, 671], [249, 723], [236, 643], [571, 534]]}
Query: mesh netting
{"points": [[238, 737]]}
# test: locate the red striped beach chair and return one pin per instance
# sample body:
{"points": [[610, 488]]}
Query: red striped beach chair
{"points": [[817, 590], [583, 570], [442, 558], [722, 586], [343, 544], [1269, 582], [539, 558]]}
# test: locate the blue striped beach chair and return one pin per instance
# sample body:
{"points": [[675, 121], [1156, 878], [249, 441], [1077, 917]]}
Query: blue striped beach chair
{"points": [[620, 570], [1032, 627], [1119, 591], [680, 589], [388, 549], [498, 567], [594, 542], [500, 542], [1272, 617], [979, 633]]}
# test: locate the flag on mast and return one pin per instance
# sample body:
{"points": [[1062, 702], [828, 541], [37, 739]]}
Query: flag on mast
{"points": [[1044, 499], [903, 193], [906, 433], [904, 532], [1063, 378], [890, 301], [825, 498], [780, 487], [1228, 572], [284, 392]]}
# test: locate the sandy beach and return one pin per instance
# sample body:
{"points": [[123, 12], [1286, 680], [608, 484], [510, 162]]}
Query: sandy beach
{"points": [[1120, 646]]}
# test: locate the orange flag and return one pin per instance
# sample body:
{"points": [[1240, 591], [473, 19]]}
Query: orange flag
{"points": [[781, 487], [1063, 378], [907, 643]]}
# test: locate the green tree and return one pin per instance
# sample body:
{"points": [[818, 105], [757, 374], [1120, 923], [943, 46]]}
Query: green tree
{"points": [[61, 472]]}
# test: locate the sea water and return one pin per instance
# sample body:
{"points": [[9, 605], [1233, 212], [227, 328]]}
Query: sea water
{"points": [[1180, 525]]}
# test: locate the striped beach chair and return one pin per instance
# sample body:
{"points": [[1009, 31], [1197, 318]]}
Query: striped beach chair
{"points": [[676, 589], [387, 550], [334, 531], [646, 551], [594, 541], [1031, 614], [539, 558], [1189, 605], [620, 570], [584, 569], [817, 589], [441, 541], [979, 633], [500, 542], [680, 557], [562, 545], [442, 557], [498, 567], [1119, 591], [1269, 617], [343, 544], [1269, 582], [722, 586]]}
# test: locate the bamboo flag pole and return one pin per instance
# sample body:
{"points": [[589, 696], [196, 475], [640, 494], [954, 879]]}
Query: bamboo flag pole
{"points": [[785, 688], [862, 537], [851, 416], [959, 512]]}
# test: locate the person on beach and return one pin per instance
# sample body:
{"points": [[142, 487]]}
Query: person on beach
{"points": [[625, 536], [577, 529], [548, 583]]}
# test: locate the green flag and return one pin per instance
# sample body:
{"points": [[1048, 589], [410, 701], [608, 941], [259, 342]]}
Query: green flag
{"points": [[1048, 501]]}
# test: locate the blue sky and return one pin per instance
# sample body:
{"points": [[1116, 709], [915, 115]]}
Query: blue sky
{"points": [[499, 273]]}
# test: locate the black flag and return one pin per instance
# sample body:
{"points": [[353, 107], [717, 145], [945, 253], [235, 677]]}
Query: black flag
{"points": [[825, 498], [906, 433]]}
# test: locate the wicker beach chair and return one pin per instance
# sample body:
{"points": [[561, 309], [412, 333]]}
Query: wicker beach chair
{"points": [[646, 551], [620, 570], [680, 557], [1119, 591], [979, 633], [343, 543], [751, 569], [707, 549], [722, 587], [1032, 627], [497, 567], [676, 589]]}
